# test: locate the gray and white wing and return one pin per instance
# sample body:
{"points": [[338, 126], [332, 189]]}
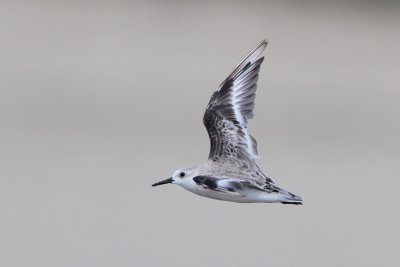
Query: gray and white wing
{"points": [[230, 186], [231, 107]]}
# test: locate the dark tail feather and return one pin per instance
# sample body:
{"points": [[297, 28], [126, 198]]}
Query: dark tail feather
{"points": [[292, 199], [293, 203]]}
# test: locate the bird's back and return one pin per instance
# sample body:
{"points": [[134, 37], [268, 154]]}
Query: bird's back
{"points": [[236, 168]]}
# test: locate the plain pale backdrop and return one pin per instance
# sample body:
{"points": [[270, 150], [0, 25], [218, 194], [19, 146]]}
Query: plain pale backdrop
{"points": [[100, 99]]}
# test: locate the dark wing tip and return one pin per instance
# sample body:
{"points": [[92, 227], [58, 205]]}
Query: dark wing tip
{"points": [[254, 55]]}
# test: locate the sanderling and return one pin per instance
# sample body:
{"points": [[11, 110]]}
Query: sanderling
{"points": [[231, 173]]}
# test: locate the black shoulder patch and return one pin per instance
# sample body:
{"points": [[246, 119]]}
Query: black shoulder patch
{"points": [[208, 181]]}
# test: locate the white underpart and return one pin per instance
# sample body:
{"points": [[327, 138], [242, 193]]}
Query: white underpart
{"points": [[244, 196]]}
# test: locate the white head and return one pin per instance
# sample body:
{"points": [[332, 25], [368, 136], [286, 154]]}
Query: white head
{"points": [[183, 177]]}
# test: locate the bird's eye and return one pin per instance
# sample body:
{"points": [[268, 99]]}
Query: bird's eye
{"points": [[182, 174]]}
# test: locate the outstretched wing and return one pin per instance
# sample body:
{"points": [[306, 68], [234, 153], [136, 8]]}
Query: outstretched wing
{"points": [[229, 109]]}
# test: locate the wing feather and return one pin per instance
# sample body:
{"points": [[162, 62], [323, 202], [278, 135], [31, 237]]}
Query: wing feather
{"points": [[231, 106]]}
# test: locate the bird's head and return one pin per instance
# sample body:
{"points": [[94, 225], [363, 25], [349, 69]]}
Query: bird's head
{"points": [[180, 177]]}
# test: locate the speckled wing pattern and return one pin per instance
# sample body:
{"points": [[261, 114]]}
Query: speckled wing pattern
{"points": [[231, 107]]}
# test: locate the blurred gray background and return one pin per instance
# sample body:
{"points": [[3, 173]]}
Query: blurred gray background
{"points": [[98, 100]]}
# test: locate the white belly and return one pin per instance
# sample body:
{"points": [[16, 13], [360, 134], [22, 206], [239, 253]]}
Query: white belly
{"points": [[244, 196]]}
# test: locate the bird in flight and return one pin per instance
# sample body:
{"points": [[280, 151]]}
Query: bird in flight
{"points": [[231, 173]]}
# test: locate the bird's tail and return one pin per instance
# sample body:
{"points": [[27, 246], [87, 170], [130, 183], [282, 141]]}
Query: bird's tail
{"points": [[293, 201], [290, 198]]}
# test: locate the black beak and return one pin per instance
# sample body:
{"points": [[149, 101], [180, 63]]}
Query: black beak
{"points": [[167, 181]]}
